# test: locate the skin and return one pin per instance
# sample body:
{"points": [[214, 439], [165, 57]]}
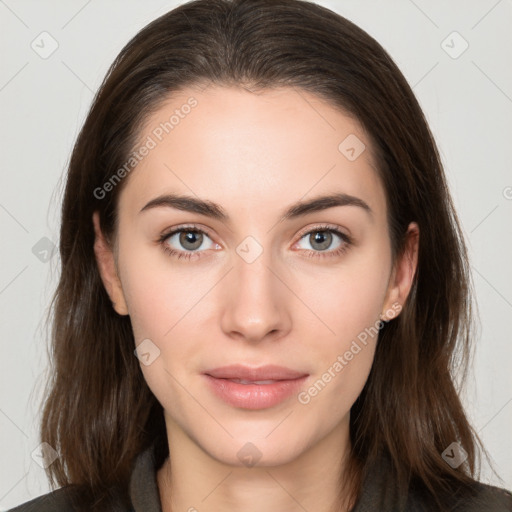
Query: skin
{"points": [[254, 154]]}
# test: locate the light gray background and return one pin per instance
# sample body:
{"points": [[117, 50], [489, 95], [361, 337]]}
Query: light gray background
{"points": [[467, 101]]}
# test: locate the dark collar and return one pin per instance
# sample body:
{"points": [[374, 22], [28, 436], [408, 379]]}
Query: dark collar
{"points": [[144, 492]]}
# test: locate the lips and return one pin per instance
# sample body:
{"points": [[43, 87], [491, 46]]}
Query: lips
{"points": [[254, 388], [255, 375]]}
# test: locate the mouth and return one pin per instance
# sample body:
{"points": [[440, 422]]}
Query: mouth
{"points": [[262, 373], [243, 381], [254, 388]]}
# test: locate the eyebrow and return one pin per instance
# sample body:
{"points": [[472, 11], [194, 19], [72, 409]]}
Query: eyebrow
{"points": [[215, 211]]}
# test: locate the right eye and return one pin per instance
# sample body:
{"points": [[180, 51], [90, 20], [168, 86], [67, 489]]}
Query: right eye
{"points": [[190, 238]]}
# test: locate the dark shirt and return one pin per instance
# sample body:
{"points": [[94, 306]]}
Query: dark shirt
{"points": [[377, 495]]}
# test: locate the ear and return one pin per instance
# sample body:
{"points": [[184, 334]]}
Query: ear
{"points": [[401, 278], [107, 268]]}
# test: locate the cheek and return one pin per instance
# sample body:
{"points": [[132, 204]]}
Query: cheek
{"points": [[345, 356], [161, 307], [158, 292], [165, 303], [349, 299], [350, 304]]}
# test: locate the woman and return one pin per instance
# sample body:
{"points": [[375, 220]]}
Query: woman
{"points": [[298, 354]]}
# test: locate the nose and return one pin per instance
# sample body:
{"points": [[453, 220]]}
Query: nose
{"points": [[255, 301]]}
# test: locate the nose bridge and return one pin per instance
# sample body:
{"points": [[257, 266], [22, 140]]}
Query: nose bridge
{"points": [[255, 303]]}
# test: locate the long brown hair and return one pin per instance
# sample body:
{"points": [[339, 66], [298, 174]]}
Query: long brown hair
{"points": [[99, 413]]}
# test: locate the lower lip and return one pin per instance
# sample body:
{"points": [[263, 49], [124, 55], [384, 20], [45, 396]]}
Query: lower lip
{"points": [[254, 396]]}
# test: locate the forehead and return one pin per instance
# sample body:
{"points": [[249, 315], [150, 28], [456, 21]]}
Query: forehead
{"points": [[252, 150]]}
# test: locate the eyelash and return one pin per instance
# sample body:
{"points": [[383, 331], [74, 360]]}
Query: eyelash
{"points": [[347, 242]]}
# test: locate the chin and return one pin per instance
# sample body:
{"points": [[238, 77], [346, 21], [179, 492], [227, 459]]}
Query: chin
{"points": [[253, 453]]}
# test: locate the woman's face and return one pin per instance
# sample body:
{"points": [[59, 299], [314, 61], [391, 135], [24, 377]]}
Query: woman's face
{"points": [[255, 279]]}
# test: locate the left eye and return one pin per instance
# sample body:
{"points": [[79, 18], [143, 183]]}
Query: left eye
{"points": [[321, 239]]}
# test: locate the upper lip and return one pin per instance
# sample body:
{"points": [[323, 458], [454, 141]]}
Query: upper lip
{"points": [[268, 372]]}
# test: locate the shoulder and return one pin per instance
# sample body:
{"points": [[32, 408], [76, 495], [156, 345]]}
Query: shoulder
{"points": [[488, 499], [59, 500], [479, 498], [380, 492], [68, 499], [142, 493]]}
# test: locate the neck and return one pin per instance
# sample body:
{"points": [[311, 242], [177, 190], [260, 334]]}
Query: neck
{"points": [[191, 480]]}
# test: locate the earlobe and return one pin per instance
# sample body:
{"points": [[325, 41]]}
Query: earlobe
{"points": [[403, 275], [107, 268]]}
